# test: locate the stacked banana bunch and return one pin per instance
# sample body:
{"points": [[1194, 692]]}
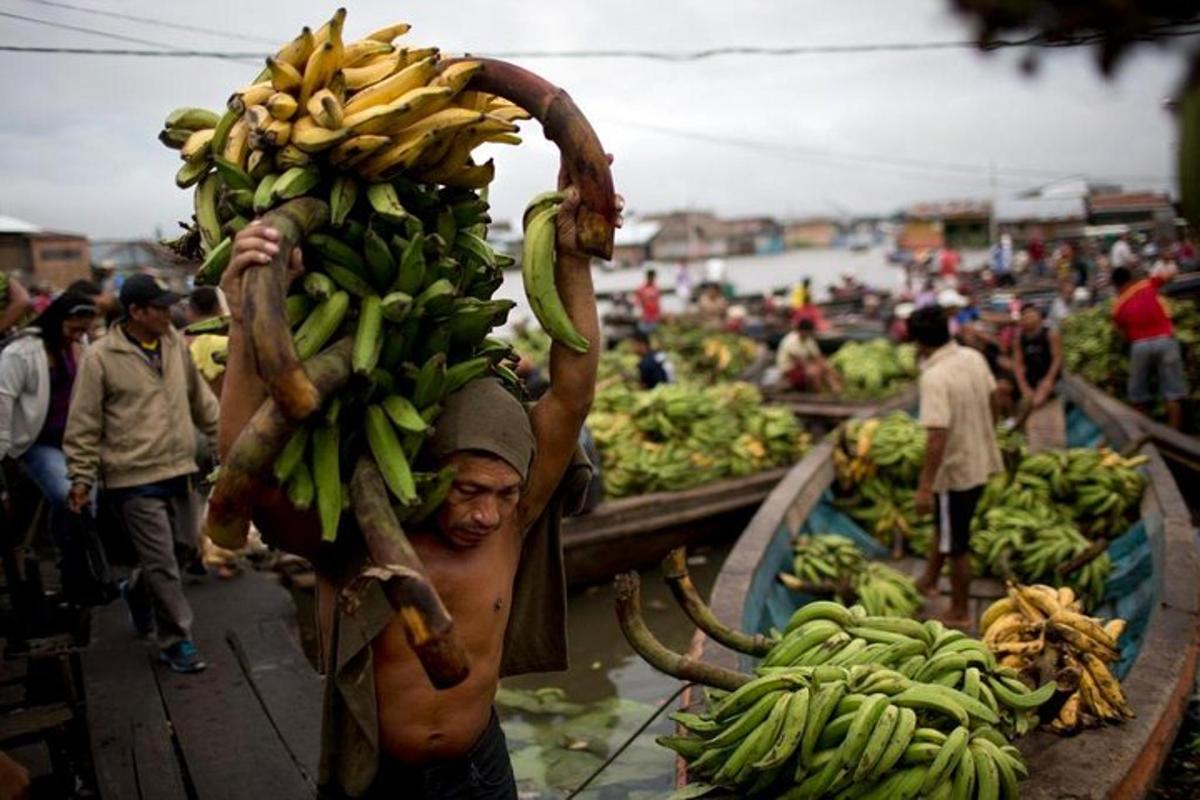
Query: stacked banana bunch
{"points": [[824, 632], [1043, 633], [706, 357], [827, 561], [878, 462], [1051, 510], [874, 369], [857, 731], [1031, 543], [674, 437], [384, 133]]}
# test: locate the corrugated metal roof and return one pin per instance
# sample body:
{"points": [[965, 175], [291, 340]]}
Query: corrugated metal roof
{"points": [[632, 234], [14, 225], [1042, 209]]}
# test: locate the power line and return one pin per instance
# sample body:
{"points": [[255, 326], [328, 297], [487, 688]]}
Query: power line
{"points": [[878, 160], [161, 23], [171, 51], [655, 55]]}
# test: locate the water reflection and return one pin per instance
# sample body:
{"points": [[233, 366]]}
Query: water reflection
{"points": [[561, 726]]}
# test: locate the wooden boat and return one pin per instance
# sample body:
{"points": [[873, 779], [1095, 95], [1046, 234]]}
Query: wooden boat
{"points": [[636, 532], [1155, 586]]}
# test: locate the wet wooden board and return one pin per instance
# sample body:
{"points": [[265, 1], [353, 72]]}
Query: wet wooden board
{"points": [[246, 728]]}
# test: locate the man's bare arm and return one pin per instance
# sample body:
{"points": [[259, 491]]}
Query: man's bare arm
{"points": [[935, 451], [562, 410]]}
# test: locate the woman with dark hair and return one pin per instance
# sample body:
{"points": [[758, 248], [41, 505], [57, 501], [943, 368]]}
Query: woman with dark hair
{"points": [[37, 373]]}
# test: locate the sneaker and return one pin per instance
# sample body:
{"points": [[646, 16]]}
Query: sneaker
{"points": [[140, 614], [182, 657]]}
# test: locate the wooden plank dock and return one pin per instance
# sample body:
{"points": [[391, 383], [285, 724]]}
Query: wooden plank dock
{"points": [[247, 728]]}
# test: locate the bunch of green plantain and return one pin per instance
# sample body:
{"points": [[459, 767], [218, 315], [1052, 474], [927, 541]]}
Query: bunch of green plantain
{"points": [[826, 563], [704, 357], [874, 369], [384, 133], [674, 437], [837, 721], [1043, 633]]}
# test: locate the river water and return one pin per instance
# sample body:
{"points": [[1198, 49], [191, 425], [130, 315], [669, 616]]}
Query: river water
{"points": [[558, 737]]}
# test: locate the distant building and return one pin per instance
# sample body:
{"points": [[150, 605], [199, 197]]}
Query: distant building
{"points": [[1142, 212], [1057, 210], [953, 223], [132, 256], [688, 235], [811, 232], [42, 257], [748, 236], [633, 242]]}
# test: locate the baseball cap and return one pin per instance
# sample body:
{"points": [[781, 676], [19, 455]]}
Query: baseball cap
{"points": [[145, 290]]}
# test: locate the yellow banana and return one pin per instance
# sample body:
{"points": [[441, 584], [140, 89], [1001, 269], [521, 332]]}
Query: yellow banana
{"points": [[355, 149], [297, 51], [472, 176], [237, 146], [372, 73], [282, 105], [325, 109], [197, 146], [388, 33], [317, 72], [458, 74], [357, 53], [392, 87], [284, 77], [310, 137], [392, 118]]}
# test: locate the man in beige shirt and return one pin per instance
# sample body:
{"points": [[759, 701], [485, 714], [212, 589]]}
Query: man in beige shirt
{"points": [[958, 414]]}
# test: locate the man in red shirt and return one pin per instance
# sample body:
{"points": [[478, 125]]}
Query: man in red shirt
{"points": [[1141, 316], [649, 299]]}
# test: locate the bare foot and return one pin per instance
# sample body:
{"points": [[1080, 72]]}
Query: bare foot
{"points": [[929, 588]]}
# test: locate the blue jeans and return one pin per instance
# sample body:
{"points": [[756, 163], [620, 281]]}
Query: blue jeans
{"points": [[46, 466]]}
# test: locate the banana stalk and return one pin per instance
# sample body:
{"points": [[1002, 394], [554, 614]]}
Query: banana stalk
{"points": [[675, 572], [263, 309], [427, 624], [566, 126], [246, 469], [656, 654]]}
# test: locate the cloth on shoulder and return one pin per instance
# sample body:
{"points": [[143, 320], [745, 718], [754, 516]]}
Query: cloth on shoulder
{"points": [[482, 416]]}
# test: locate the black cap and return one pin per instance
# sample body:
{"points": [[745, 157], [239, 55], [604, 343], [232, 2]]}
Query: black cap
{"points": [[145, 290]]}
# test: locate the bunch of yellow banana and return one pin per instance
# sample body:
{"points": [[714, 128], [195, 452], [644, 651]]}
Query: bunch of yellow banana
{"points": [[831, 560], [1043, 633], [859, 731], [402, 273]]}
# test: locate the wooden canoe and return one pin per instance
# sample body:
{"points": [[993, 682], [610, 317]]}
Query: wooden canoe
{"points": [[636, 532], [1155, 585]]}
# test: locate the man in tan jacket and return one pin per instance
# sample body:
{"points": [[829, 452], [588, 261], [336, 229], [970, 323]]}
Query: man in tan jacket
{"points": [[130, 429]]}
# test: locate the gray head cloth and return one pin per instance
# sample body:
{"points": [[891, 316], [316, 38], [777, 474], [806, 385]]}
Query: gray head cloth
{"points": [[484, 416]]}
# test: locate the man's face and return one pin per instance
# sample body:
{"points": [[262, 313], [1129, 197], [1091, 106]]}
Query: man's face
{"points": [[1031, 320], [155, 319], [482, 499]]}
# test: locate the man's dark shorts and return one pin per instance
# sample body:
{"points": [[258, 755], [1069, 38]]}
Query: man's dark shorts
{"points": [[484, 773], [952, 515]]}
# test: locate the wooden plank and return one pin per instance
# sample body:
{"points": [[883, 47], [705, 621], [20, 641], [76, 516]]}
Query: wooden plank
{"points": [[20, 727], [232, 749], [286, 685], [127, 726]]}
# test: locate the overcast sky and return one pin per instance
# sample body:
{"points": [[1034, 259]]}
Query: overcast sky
{"points": [[737, 134]]}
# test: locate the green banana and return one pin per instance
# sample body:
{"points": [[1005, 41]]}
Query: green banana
{"points": [[385, 202], [877, 742], [294, 182], [327, 479], [348, 279], [410, 274], [820, 609], [299, 487], [207, 220], [821, 708], [263, 193], [404, 414], [396, 306], [430, 381], [291, 455], [368, 336], [321, 325], [791, 732], [538, 277], [947, 759], [319, 286], [342, 198], [385, 447], [380, 264], [215, 263]]}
